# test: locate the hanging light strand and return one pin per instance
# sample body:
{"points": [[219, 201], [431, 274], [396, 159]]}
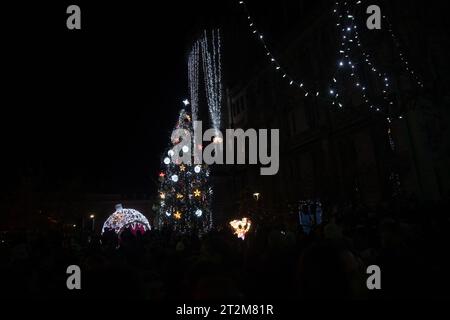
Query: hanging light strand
{"points": [[273, 60], [404, 61], [193, 66], [351, 46], [212, 68], [402, 56], [383, 76], [208, 49], [348, 50]]}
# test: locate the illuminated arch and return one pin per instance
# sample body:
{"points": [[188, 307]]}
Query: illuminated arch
{"points": [[126, 218]]}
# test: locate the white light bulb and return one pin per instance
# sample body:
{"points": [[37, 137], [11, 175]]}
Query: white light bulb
{"points": [[185, 149], [174, 178], [197, 169], [171, 153], [198, 213], [166, 160]]}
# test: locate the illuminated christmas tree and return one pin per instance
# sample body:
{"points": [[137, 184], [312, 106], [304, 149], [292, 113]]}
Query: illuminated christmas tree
{"points": [[184, 191]]}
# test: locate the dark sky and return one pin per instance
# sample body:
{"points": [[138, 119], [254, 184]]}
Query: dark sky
{"points": [[93, 110]]}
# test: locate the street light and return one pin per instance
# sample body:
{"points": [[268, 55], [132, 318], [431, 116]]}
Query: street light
{"points": [[256, 195], [92, 216]]}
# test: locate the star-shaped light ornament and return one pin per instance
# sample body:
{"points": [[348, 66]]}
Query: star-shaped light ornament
{"points": [[177, 215]]}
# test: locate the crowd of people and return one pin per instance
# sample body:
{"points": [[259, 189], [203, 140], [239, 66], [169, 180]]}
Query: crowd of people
{"points": [[275, 262]]}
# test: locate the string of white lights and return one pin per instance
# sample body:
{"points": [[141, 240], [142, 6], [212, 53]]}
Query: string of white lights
{"points": [[351, 43], [346, 52], [384, 78], [273, 60], [212, 68], [401, 54], [285, 75], [193, 68]]}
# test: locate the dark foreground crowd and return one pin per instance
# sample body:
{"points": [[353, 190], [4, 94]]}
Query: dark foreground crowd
{"points": [[275, 262]]}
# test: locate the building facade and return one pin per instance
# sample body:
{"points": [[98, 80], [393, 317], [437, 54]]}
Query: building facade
{"points": [[351, 154]]}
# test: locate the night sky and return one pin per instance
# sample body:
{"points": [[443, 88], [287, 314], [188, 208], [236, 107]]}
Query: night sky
{"points": [[92, 111]]}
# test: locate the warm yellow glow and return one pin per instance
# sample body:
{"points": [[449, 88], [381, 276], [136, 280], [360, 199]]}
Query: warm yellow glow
{"points": [[197, 193], [92, 216], [241, 227], [182, 167], [177, 215], [162, 195], [180, 196]]}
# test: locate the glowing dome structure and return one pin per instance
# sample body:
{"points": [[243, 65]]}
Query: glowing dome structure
{"points": [[126, 218]]}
